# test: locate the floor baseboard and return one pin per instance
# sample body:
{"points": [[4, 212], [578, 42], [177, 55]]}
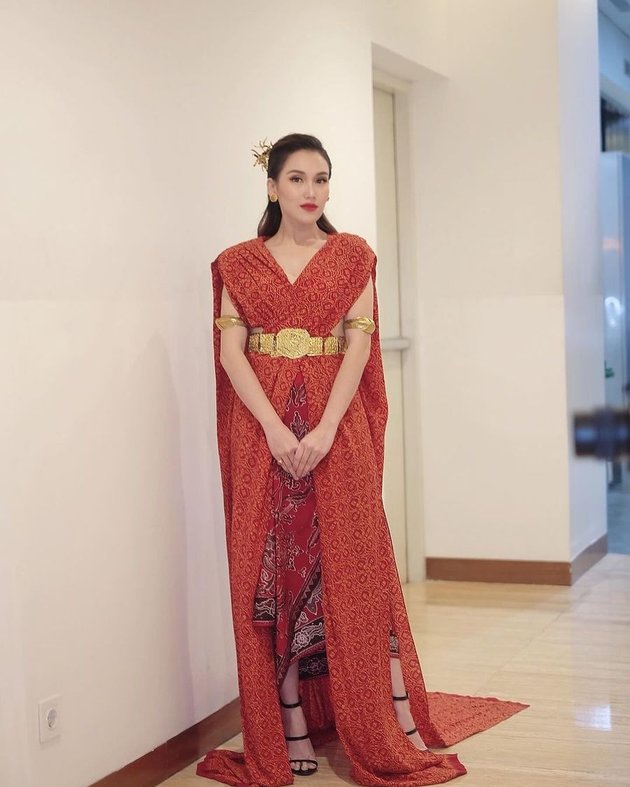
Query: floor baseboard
{"points": [[177, 753], [588, 557], [526, 572]]}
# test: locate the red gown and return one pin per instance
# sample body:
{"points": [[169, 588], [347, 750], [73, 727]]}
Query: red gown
{"points": [[361, 604]]}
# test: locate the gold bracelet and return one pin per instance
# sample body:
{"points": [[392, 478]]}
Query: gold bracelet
{"points": [[228, 321], [366, 324]]}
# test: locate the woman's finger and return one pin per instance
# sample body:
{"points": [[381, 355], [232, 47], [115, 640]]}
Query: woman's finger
{"points": [[305, 462], [285, 461], [300, 460], [289, 464]]}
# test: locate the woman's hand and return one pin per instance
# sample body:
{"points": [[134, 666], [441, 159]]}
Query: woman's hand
{"points": [[312, 448], [283, 445]]}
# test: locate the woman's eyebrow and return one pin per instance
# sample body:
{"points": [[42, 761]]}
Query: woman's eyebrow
{"points": [[299, 172]]}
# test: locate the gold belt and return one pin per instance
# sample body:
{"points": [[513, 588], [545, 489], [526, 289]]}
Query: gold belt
{"points": [[294, 343]]}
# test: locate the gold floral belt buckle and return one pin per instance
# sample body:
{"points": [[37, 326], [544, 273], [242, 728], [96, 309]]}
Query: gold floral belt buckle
{"points": [[292, 342]]}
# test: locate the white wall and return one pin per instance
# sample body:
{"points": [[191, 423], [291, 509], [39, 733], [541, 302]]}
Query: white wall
{"points": [[127, 130], [118, 584], [496, 250], [578, 89]]}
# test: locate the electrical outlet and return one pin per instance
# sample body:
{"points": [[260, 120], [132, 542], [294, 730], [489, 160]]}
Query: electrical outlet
{"points": [[49, 718]]}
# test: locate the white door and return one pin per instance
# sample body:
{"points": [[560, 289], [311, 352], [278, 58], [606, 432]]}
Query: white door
{"points": [[387, 279]]}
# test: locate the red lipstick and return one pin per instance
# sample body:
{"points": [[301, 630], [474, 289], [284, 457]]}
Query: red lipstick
{"points": [[309, 206]]}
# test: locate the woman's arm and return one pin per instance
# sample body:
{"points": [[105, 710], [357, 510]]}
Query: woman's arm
{"points": [[281, 441], [316, 444]]}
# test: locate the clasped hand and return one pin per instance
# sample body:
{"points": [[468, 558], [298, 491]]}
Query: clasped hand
{"points": [[299, 457]]}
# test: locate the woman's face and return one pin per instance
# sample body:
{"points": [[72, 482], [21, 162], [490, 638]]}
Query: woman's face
{"points": [[302, 184]]}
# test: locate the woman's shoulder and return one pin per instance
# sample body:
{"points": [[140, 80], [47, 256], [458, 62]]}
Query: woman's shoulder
{"points": [[355, 240], [357, 244], [235, 251], [230, 251]]}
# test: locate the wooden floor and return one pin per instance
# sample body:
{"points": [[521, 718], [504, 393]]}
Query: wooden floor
{"points": [[566, 651]]}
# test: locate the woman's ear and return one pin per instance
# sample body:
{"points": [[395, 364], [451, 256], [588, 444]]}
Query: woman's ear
{"points": [[271, 187]]}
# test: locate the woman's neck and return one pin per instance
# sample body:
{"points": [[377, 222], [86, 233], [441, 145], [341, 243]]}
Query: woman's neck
{"points": [[298, 235]]}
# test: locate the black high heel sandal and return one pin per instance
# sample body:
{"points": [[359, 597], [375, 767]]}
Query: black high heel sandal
{"points": [[406, 697], [298, 771]]}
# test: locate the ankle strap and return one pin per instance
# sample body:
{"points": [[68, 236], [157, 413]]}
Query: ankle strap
{"points": [[292, 704]]}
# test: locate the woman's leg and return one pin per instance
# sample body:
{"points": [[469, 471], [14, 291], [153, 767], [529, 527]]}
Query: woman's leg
{"points": [[403, 713], [294, 722]]}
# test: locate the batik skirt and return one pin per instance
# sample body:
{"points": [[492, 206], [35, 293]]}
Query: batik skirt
{"points": [[289, 593]]}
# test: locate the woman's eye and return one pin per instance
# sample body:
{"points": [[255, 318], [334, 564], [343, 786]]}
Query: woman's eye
{"points": [[297, 177]]}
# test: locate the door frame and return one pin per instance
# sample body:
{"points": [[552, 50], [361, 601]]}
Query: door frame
{"points": [[407, 343]]}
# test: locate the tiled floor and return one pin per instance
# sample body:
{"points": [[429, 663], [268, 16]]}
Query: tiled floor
{"points": [[564, 650], [619, 519]]}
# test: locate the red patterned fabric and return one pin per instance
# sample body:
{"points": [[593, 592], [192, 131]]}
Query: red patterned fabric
{"points": [[358, 570], [289, 594]]}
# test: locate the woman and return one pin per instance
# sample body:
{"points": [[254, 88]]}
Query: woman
{"points": [[322, 637]]}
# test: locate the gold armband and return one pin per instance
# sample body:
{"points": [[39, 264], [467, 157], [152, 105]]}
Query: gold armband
{"points": [[228, 321], [366, 324]]}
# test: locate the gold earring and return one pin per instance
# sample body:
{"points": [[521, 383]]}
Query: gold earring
{"points": [[273, 197]]}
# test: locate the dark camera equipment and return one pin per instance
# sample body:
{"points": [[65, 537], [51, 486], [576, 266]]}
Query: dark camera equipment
{"points": [[604, 433]]}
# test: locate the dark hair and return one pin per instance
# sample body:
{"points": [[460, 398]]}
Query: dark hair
{"points": [[269, 224]]}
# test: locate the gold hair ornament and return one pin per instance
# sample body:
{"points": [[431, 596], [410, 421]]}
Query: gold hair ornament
{"points": [[262, 157]]}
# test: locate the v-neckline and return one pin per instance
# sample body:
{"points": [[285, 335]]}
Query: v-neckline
{"points": [[281, 270]]}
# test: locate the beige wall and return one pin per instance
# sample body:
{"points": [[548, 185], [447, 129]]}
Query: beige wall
{"points": [[126, 168], [578, 89], [510, 301]]}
